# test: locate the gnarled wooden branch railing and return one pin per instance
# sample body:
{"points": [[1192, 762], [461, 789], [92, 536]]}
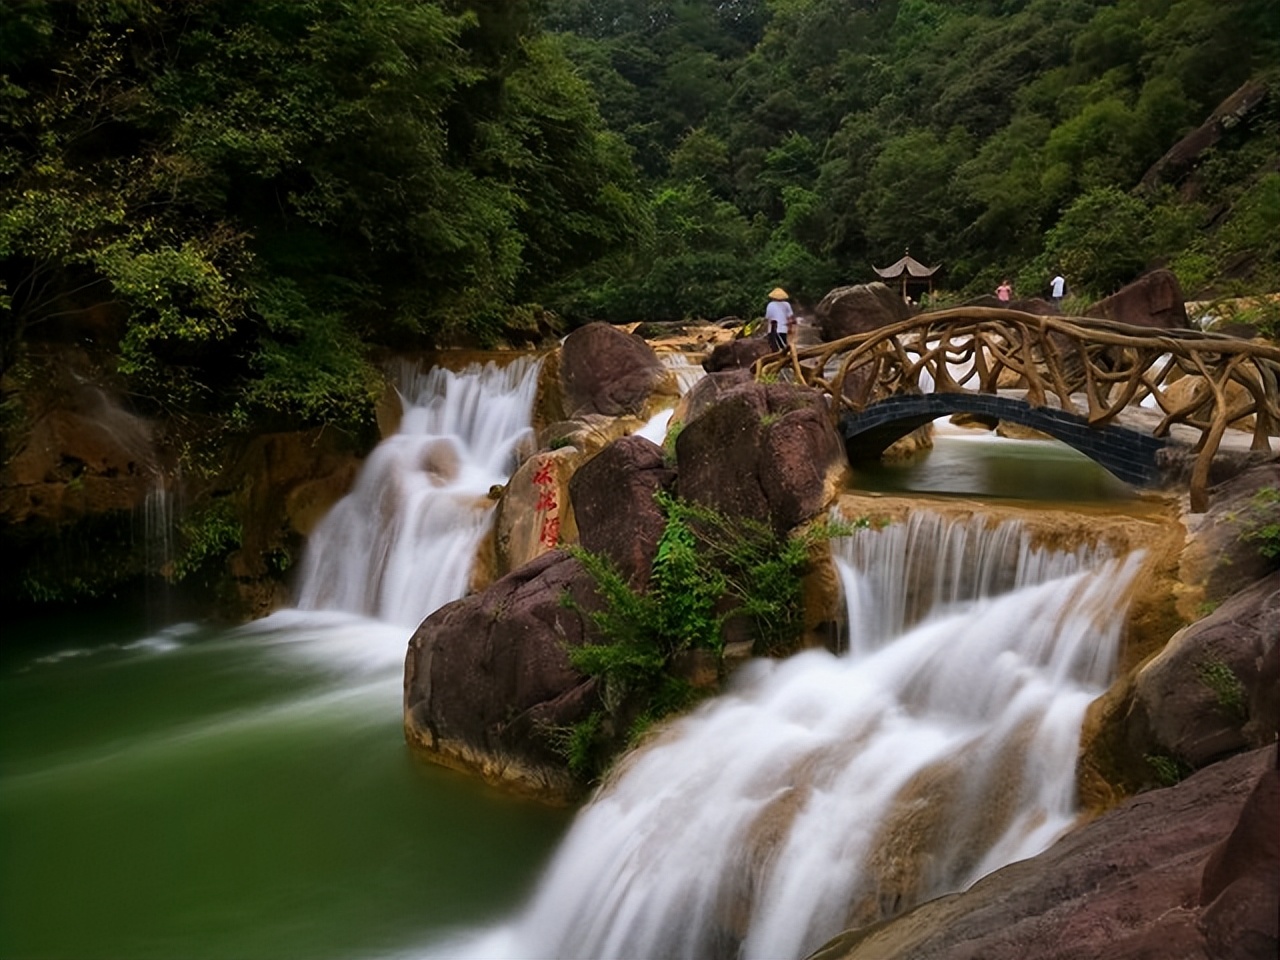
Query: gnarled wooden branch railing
{"points": [[1092, 368]]}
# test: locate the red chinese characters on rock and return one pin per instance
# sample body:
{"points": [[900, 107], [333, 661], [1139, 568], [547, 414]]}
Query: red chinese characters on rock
{"points": [[547, 505]]}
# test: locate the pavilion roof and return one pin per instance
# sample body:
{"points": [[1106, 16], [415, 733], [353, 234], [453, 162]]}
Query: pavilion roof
{"points": [[909, 265]]}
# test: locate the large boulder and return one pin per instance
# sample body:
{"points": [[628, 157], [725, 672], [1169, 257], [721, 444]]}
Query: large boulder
{"points": [[858, 309], [766, 452], [707, 392], [613, 498], [737, 354], [534, 513], [1211, 692], [1187, 871], [488, 680], [605, 370], [1153, 300], [1219, 558]]}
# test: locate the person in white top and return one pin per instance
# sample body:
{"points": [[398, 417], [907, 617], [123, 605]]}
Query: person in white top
{"points": [[778, 318], [1057, 289]]}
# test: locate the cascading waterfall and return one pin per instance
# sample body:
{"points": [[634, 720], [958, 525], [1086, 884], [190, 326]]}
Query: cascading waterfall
{"points": [[401, 543], [822, 792]]}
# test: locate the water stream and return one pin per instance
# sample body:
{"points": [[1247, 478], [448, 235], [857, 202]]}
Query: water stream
{"points": [[246, 793], [823, 792]]}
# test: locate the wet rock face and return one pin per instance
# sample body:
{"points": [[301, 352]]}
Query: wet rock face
{"points": [[1220, 558], [605, 370], [766, 452], [1210, 693], [858, 309], [613, 499], [488, 679], [1188, 871], [1153, 300], [737, 354], [707, 392], [77, 471]]}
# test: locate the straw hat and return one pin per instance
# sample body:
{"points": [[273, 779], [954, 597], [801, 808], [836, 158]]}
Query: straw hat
{"points": [[777, 293]]}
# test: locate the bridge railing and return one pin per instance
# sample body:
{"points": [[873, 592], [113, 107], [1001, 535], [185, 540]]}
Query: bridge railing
{"points": [[1092, 368]]}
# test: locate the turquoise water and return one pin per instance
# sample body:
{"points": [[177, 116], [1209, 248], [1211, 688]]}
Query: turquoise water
{"points": [[236, 794], [980, 464]]}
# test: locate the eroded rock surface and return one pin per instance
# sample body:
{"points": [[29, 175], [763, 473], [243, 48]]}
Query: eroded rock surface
{"points": [[766, 452], [858, 308], [1153, 300], [604, 370], [613, 495], [1187, 871], [488, 681]]}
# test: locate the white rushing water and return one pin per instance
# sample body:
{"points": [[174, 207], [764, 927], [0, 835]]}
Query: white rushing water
{"points": [[822, 792], [402, 542]]}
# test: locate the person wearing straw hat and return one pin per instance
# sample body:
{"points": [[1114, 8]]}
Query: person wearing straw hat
{"points": [[778, 317]]}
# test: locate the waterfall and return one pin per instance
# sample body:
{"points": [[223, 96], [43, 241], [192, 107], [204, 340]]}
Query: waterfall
{"points": [[158, 520], [825, 792], [893, 577], [401, 543]]}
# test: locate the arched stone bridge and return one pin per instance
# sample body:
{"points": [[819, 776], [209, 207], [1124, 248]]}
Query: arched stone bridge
{"points": [[1080, 380]]}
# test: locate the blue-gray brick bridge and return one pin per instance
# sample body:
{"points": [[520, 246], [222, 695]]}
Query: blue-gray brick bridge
{"points": [[1151, 406], [1129, 453]]}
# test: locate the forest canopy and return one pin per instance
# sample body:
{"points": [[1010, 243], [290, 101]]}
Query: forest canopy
{"points": [[244, 199]]}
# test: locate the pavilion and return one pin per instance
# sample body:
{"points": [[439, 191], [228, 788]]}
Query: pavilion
{"points": [[906, 270]]}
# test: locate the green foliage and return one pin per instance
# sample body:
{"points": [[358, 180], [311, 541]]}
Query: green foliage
{"points": [[242, 197], [674, 427], [966, 131], [707, 569], [1226, 686], [1168, 770], [1261, 521], [205, 536]]}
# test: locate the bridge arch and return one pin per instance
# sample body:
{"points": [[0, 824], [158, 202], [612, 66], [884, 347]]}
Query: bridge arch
{"points": [[1131, 455]]}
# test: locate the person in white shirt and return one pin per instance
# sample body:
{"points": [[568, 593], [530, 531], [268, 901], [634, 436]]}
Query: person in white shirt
{"points": [[1057, 289], [777, 317]]}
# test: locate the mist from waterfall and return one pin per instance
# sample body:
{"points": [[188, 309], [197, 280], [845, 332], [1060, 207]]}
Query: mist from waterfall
{"points": [[823, 792], [402, 542]]}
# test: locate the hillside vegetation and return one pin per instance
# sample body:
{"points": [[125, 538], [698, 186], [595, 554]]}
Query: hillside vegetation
{"points": [[240, 202]]}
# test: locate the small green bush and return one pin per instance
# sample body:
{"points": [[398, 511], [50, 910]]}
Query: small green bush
{"points": [[1168, 770], [210, 533], [1218, 676], [707, 568], [1261, 521]]}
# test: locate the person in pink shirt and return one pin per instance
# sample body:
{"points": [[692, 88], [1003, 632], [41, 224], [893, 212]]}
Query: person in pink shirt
{"points": [[1004, 291]]}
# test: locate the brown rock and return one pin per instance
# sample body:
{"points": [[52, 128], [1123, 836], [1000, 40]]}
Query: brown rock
{"points": [[737, 354], [1218, 560], [1193, 701], [604, 370], [613, 500], [488, 679], [1240, 885], [707, 392], [1124, 886], [766, 452], [1153, 300], [535, 514], [858, 309], [1183, 156]]}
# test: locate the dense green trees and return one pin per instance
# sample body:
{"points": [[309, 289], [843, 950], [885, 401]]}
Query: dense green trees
{"points": [[244, 194], [241, 197], [968, 130]]}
